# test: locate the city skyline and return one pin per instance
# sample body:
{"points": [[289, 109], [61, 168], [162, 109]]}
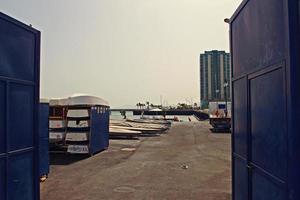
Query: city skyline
{"points": [[124, 51], [215, 76]]}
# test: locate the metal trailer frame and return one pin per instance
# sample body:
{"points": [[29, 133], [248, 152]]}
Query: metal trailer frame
{"points": [[220, 125], [19, 99], [62, 118], [44, 139], [265, 46]]}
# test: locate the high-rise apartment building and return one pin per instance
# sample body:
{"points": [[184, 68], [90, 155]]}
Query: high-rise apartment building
{"points": [[215, 77]]}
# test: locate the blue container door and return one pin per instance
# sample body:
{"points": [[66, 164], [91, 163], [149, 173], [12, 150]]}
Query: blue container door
{"points": [[19, 96], [260, 135], [240, 158], [259, 139], [99, 129], [268, 130], [3, 140], [104, 124], [44, 138]]}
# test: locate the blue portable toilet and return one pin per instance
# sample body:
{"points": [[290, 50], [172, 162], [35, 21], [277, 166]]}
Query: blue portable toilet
{"points": [[19, 100], [86, 124], [44, 137], [265, 48]]}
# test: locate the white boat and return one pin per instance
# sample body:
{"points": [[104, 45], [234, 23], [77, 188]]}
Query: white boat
{"points": [[118, 132]]}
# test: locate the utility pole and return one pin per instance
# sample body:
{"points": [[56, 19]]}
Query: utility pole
{"points": [[225, 94]]}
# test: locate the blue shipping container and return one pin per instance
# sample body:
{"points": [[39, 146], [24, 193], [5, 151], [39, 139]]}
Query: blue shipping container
{"points": [[82, 123], [19, 98], [97, 129], [44, 138], [266, 96]]}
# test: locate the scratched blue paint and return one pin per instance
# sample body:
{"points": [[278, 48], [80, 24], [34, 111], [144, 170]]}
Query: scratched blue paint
{"points": [[99, 129], [19, 97], [44, 138], [265, 46]]}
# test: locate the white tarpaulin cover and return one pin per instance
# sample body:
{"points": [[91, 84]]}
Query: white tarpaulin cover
{"points": [[79, 99], [156, 110]]}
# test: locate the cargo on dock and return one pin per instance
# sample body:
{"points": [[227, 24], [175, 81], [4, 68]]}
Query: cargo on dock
{"points": [[133, 128], [220, 116], [79, 124], [123, 133]]}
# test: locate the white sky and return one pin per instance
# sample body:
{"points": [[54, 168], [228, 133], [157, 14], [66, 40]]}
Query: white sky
{"points": [[125, 51]]}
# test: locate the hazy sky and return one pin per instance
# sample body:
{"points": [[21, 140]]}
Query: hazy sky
{"points": [[126, 51]]}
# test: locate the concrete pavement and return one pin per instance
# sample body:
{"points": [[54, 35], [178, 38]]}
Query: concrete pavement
{"points": [[188, 162]]}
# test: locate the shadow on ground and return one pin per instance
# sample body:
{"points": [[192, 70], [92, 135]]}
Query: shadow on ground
{"points": [[64, 159], [220, 132]]}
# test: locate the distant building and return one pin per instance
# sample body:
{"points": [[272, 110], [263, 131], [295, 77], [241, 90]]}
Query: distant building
{"points": [[215, 71]]}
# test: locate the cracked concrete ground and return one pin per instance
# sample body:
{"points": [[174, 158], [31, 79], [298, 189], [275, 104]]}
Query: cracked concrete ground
{"points": [[188, 162]]}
